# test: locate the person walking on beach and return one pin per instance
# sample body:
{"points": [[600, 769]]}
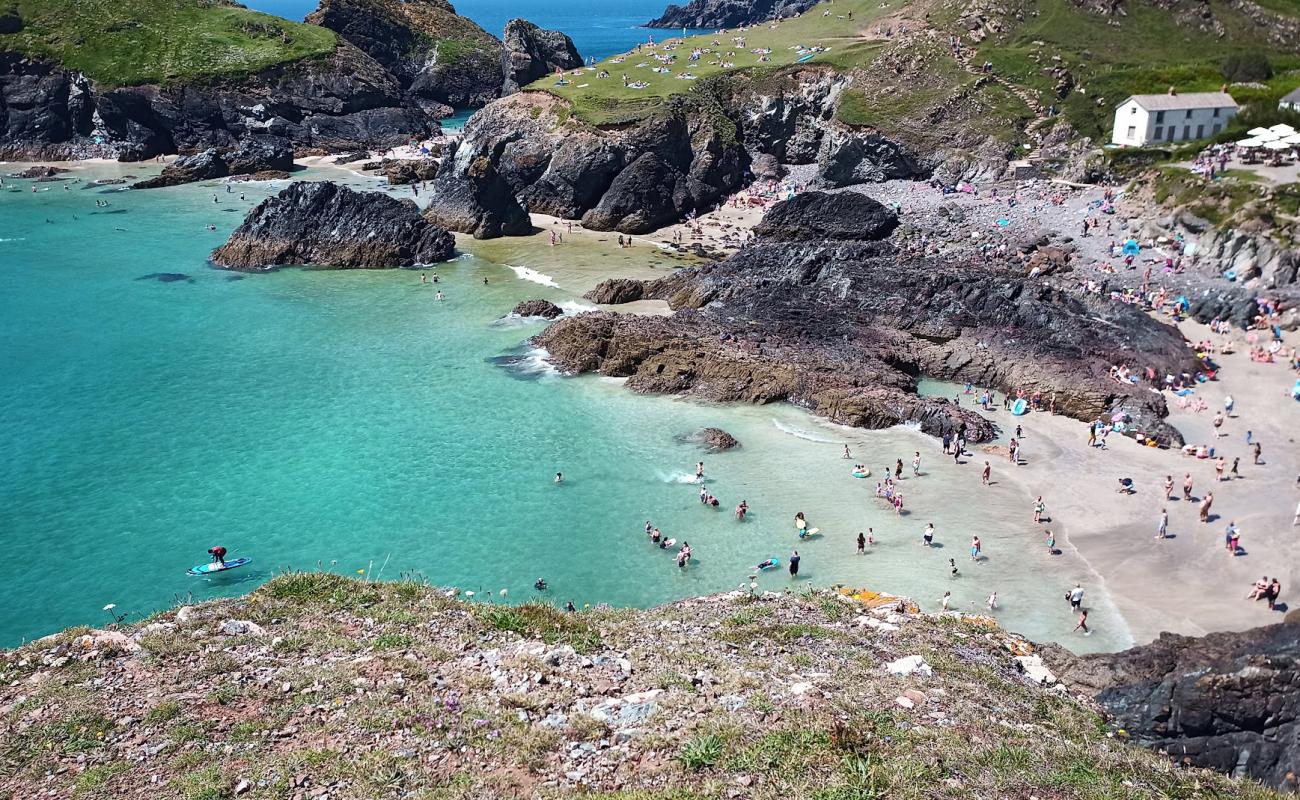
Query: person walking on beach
{"points": [[699, 470], [1082, 624], [1228, 404], [1162, 530], [984, 476], [794, 563], [945, 600], [992, 602], [1169, 488], [975, 546], [1050, 541], [1258, 450], [1075, 596], [927, 538], [1187, 486], [1231, 538], [1206, 502], [847, 454], [898, 469], [1219, 465], [1218, 424], [1039, 508], [862, 543], [952, 568], [916, 464]]}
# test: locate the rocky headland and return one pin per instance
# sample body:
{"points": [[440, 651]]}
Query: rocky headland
{"points": [[825, 310], [327, 225], [317, 685], [1227, 701], [727, 13], [531, 52]]}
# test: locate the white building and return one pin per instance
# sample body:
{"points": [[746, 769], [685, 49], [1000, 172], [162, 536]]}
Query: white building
{"points": [[1149, 118], [1291, 101]]}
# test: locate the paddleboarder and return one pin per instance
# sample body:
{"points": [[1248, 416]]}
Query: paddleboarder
{"points": [[218, 554]]}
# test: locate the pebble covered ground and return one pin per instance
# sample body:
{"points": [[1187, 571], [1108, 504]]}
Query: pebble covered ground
{"points": [[320, 686]]}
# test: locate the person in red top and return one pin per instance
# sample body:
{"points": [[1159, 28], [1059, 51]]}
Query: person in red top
{"points": [[218, 554]]}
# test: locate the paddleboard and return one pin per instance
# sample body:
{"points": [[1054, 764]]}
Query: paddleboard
{"points": [[771, 563], [668, 543], [809, 532], [211, 568], [1019, 407], [807, 57]]}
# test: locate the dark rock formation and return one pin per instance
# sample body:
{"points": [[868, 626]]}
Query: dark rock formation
{"points": [[437, 56], [614, 291], [714, 440], [728, 13], [326, 225], [531, 53], [538, 308], [38, 172], [845, 327], [343, 102], [814, 217], [255, 155], [1228, 701], [476, 201], [684, 156], [400, 172], [847, 159]]}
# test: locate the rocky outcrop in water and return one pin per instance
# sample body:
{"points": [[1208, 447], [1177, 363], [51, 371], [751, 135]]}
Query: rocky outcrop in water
{"points": [[256, 154], [532, 52], [437, 56], [1227, 701], [538, 308], [845, 326], [343, 102], [715, 440], [614, 291], [728, 13], [401, 172], [326, 225]]}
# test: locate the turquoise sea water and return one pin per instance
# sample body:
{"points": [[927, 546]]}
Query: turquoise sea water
{"points": [[598, 28], [154, 407]]}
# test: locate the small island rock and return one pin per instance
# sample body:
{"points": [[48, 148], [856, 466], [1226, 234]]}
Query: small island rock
{"points": [[326, 225], [538, 308]]}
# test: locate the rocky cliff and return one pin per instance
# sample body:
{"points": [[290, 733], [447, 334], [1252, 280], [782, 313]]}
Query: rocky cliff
{"points": [[827, 312], [684, 156], [1228, 701], [326, 225], [531, 52], [317, 685], [728, 13], [346, 101], [436, 55]]}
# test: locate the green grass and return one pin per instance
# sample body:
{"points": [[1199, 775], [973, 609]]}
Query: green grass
{"points": [[96, 777], [544, 622], [1144, 52], [133, 42], [606, 101]]}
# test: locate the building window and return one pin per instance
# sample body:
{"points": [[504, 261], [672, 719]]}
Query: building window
{"points": [[1217, 128], [1200, 131], [1170, 136], [1189, 114], [1132, 132], [1187, 132], [1160, 117], [1132, 109], [1160, 132], [1216, 112]]}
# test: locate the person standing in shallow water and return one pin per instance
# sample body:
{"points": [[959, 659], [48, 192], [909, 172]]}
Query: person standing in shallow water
{"points": [[794, 563]]}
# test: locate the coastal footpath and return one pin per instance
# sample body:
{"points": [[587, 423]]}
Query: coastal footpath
{"points": [[319, 686]]}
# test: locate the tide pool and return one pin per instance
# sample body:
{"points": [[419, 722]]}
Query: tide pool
{"points": [[349, 421]]}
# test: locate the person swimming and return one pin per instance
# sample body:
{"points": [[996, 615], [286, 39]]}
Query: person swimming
{"points": [[540, 584]]}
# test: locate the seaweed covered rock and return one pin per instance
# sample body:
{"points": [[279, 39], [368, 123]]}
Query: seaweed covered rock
{"points": [[326, 225]]}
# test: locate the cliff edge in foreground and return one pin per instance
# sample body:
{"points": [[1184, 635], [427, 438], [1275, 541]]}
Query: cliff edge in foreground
{"points": [[317, 685]]}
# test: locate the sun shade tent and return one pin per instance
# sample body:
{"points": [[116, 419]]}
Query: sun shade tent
{"points": [[1282, 129], [1277, 146], [1258, 132]]}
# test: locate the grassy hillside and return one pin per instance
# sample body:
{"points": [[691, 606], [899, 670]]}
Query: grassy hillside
{"points": [[131, 42], [607, 100], [318, 684], [907, 80]]}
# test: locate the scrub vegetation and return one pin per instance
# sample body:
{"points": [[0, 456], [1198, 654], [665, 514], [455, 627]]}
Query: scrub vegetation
{"points": [[358, 689]]}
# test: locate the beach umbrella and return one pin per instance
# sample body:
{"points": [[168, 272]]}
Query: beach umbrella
{"points": [[1251, 142], [1131, 247], [1282, 128], [1293, 139], [1277, 145], [1257, 131]]}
